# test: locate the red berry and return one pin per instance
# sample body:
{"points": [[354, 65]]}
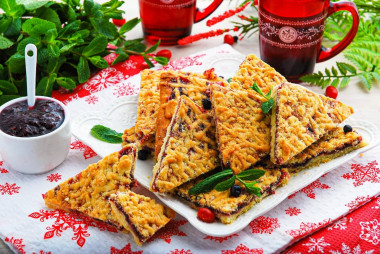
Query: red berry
{"points": [[164, 53], [206, 215], [331, 92], [229, 39], [144, 66], [118, 22]]}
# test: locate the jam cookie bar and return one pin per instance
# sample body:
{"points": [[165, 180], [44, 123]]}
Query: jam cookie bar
{"points": [[189, 148], [334, 144], [172, 86], [227, 208], [141, 215], [129, 136], [253, 69], [299, 118], [88, 191], [149, 102], [242, 128]]}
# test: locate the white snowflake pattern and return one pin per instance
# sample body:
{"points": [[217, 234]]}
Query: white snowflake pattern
{"points": [[370, 231], [340, 224], [92, 99], [129, 65], [105, 78], [125, 90], [9, 189], [316, 244], [347, 250]]}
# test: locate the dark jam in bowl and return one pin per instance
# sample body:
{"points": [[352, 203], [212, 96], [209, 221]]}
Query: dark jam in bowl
{"points": [[45, 117]]}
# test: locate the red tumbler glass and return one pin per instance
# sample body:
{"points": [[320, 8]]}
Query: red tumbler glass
{"points": [[171, 20], [291, 34]]}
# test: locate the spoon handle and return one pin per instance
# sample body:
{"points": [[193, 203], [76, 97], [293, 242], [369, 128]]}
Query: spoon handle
{"points": [[31, 66]]}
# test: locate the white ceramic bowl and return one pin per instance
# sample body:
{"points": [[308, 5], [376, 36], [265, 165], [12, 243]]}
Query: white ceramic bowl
{"points": [[35, 155]]}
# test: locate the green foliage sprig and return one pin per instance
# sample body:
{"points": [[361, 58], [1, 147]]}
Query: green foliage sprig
{"points": [[71, 36], [363, 54], [225, 179]]}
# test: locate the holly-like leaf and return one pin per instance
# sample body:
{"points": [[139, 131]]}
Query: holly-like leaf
{"points": [[150, 64], [225, 185], [83, 70], [161, 60], [120, 58]]}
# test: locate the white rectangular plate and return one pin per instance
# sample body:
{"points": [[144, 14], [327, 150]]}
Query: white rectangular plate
{"points": [[143, 172]]}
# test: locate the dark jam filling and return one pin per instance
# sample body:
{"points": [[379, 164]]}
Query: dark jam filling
{"points": [[45, 117]]}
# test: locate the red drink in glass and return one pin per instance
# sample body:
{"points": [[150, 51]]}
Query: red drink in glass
{"points": [[171, 20], [291, 34]]}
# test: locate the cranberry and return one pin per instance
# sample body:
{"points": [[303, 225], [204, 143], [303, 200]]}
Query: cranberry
{"points": [[118, 22], [144, 66], [331, 92], [164, 53], [206, 103], [206, 215], [229, 39]]}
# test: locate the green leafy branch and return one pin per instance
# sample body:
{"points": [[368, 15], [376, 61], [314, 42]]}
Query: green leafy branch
{"points": [[267, 105], [72, 39], [219, 182]]}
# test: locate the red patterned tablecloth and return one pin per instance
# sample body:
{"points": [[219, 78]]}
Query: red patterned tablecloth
{"points": [[55, 231]]}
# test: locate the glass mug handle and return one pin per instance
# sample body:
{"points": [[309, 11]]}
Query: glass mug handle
{"points": [[202, 14], [326, 54]]}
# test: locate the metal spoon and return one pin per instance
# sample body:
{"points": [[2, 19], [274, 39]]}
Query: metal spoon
{"points": [[31, 66]]}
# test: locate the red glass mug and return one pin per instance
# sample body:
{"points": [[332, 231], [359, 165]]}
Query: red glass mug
{"points": [[171, 20], [291, 34]]}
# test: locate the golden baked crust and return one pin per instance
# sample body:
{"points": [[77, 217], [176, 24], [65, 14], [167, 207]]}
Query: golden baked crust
{"points": [[172, 86], [242, 129], [227, 208], [299, 118], [189, 148], [253, 69], [141, 215], [149, 102], [332, 145], [88, 191], [129, 136]]}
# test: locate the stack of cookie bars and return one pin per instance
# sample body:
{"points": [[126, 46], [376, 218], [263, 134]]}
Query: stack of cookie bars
{"points": [[195, 125]]}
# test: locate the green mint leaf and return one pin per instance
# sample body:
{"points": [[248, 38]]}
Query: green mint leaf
{"points": [[45, 86], [14, 28], [105, 28], [7, 87], [68, 29], [32, 5], [66, 83], [11, 8], [257, 89], [269, 93], [225, 185], [129, 25], [106, 134], [96, 46], [50, 15], [16, 63], [22, 44], [53, 50], [266, 106], [83, 70], [153, 48], [50, 36], [251, 188], [120, 58], [6, 98], [37, 26], [250, 174], [5, 42], [209, 183], [67, 48], [150, 64], [229, 80], [161, 60], [98, 61]]}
